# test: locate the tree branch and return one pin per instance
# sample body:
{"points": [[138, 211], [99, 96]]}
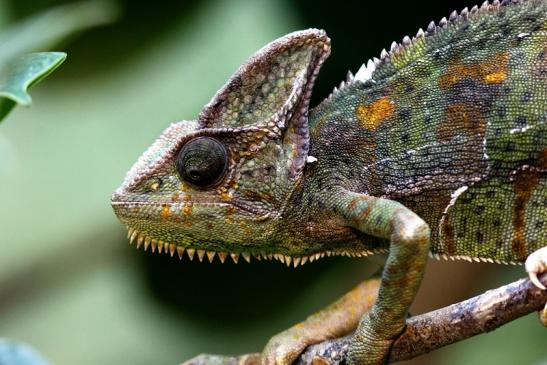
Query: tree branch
{"points": [[425, 332]]}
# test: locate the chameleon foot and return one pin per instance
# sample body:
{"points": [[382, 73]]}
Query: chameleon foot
{"points": [[536, 264], [543, 316], [338, 319], [285, 347]]}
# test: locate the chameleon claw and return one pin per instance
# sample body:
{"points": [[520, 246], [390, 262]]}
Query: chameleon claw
{"points": [[536, 264], [534, 279], [543, 316]]}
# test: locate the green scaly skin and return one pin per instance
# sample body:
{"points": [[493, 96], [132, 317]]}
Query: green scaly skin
{"points": [[438, 147]]}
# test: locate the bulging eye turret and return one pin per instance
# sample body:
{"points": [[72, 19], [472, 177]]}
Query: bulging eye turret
{"points": [[202, 162]]}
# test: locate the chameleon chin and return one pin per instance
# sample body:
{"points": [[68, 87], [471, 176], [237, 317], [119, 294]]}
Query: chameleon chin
{"points": [[438, 147]]}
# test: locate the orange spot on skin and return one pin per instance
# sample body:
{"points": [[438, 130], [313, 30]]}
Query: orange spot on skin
{"points": [[448, 236], [372, 115], [352, 204], [460, 118], [245, 227], [525, 184], [496, 77], [491, 71], [165, 212], [229, 219], [187, 209], [225, 195]]}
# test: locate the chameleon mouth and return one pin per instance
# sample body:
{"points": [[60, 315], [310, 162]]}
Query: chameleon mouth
{"points": [[159, 246]]}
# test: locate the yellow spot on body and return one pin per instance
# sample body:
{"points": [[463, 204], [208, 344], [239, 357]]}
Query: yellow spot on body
{"points": [[372, 115], [165, 212], [225, 195], [154, 186], [187, 209], [229, 218], [245, 227], [496, 77], [490, 71]]}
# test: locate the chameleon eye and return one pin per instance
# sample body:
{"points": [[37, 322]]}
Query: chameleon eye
{"points": [[202, 161]]}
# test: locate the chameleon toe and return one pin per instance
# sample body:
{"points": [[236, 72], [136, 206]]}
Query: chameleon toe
{"points": [[536, 264], [543, 316]]}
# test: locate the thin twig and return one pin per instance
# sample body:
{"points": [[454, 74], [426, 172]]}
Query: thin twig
{"points": [[425, 332]]}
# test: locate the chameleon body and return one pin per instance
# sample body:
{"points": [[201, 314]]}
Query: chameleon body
{"points": [[439, 147]]}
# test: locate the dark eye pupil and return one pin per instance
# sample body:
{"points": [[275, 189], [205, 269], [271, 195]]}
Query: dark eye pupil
{"points": [[202, 161]]}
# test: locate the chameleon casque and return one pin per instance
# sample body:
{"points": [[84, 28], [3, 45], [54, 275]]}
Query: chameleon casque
{"points": [[439, 146]]}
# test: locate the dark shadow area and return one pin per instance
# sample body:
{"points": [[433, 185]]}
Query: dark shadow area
{"points": [[139, 25], [359, 30], [221, 293]]}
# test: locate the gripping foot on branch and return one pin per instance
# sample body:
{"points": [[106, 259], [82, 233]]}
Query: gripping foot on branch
{"points": [[337, 320], [536, 264]]}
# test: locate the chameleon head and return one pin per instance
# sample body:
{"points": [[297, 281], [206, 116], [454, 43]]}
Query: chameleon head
{"points": [[218, 183]]}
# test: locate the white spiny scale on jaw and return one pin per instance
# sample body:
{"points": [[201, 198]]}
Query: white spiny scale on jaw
{"points": [[222, 256], [288, 261], [147, 241], [170, 248], [129, 232], [140, 239], [201, 254], [180, 252], [235, 257], [246, 256], [133, 236], [471, 259]]}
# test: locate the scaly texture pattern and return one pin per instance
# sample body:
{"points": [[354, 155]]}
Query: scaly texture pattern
{"points": [[439, 146]]}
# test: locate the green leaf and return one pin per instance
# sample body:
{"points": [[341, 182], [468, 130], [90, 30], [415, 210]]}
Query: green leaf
{"points": [[47, 29], [21, 74], [20, 70]]}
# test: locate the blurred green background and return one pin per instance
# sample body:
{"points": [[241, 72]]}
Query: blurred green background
{"points": [[69, 283]]}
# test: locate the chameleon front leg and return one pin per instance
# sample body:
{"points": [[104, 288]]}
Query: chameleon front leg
{"points": [[402, 274], [338, 319]]}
